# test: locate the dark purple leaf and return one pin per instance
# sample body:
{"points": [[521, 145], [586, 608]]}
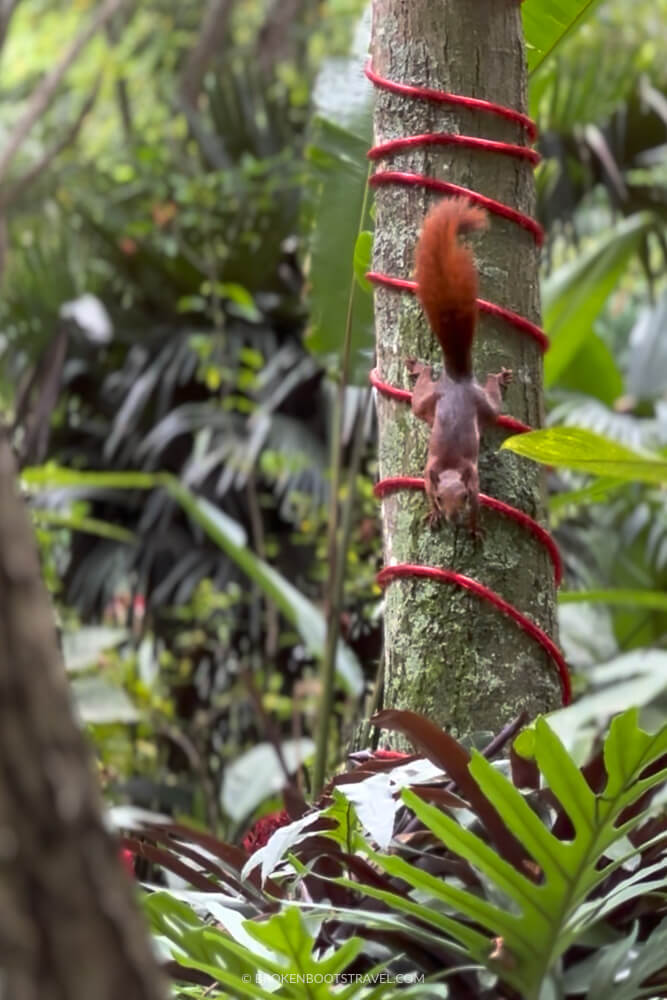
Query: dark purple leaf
{"points": [[444, 751]]}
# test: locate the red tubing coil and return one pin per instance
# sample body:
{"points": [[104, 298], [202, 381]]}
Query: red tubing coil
{"points": [[520, 323]]}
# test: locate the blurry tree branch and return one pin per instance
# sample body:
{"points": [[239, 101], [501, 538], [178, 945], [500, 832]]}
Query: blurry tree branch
{"points": [[211, 36], [37, 398], [211, 145], [279, 35], [7, 8], [23, 183], [114, 30], [45, 91], [69, 925]]}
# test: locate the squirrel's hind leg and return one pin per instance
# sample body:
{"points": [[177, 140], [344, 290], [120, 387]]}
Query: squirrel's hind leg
{"points": [[424, 394]]}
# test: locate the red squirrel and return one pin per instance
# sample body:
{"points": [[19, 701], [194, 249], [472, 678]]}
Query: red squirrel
{"points": [[455, 406]]}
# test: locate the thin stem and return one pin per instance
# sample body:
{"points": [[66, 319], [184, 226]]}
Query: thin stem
{"points": [[373, 705], [336, 553]]}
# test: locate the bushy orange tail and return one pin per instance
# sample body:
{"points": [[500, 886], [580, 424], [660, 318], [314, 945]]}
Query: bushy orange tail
{"points": [[447, 280]]}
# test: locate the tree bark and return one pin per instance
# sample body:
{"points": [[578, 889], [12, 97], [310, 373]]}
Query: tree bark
{"points": [[69, 927], [450, 655]]}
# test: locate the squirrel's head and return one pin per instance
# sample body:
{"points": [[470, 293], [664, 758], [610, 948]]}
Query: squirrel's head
{"points": [[451, 493]]}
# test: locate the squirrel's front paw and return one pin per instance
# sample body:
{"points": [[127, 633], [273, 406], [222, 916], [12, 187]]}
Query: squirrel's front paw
{"points": [[477, 533], [413, 366], [433, 518]]}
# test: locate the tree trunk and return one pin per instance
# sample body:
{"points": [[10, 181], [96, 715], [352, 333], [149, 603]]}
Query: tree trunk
{"points": [[282, 36], [449, 654], [69, 927], [213, 31]]}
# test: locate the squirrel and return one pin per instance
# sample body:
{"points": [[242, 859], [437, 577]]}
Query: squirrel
{"points": [[455, 406]]}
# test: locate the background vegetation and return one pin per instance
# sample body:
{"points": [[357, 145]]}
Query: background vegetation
{"points": [[184, 239]]}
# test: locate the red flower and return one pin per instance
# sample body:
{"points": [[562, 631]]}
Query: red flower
{"points": [[127, 860], [390, 755], [259, 833]]}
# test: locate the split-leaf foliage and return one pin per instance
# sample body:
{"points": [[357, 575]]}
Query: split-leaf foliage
{"points": [[531, 877]]}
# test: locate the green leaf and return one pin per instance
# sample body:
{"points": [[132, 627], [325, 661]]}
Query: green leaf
{"points": [[574, 295], [81, 649], [596, 492], [475, 850], [570, 788], [585, 85], [171, 917], [585, 451], [620, 974], [200, 947], [55, 476], [363, 250], [339, 170], [99, 702], [286, 936], [240, 299], [628, 750], [632, 887], [77, 522], [547, 23], [538, 922], [636, 678], [257, 774], [593, 372], [656, 600], [286, 933], [477, 944]]}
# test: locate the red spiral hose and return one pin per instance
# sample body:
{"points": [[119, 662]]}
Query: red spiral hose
{"points": [[519, 323]]}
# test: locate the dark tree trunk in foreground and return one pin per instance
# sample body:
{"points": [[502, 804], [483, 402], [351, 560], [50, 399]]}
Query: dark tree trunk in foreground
{"points": [[449, 655], [70, 928]]}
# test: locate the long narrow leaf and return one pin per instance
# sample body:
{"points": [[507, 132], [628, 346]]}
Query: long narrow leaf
{"points": [[479, 854], [230, 536], [584, 451]]}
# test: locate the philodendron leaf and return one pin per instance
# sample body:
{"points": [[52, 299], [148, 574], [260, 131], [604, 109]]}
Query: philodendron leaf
{"points": [[584, 451], [540, 908]]}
